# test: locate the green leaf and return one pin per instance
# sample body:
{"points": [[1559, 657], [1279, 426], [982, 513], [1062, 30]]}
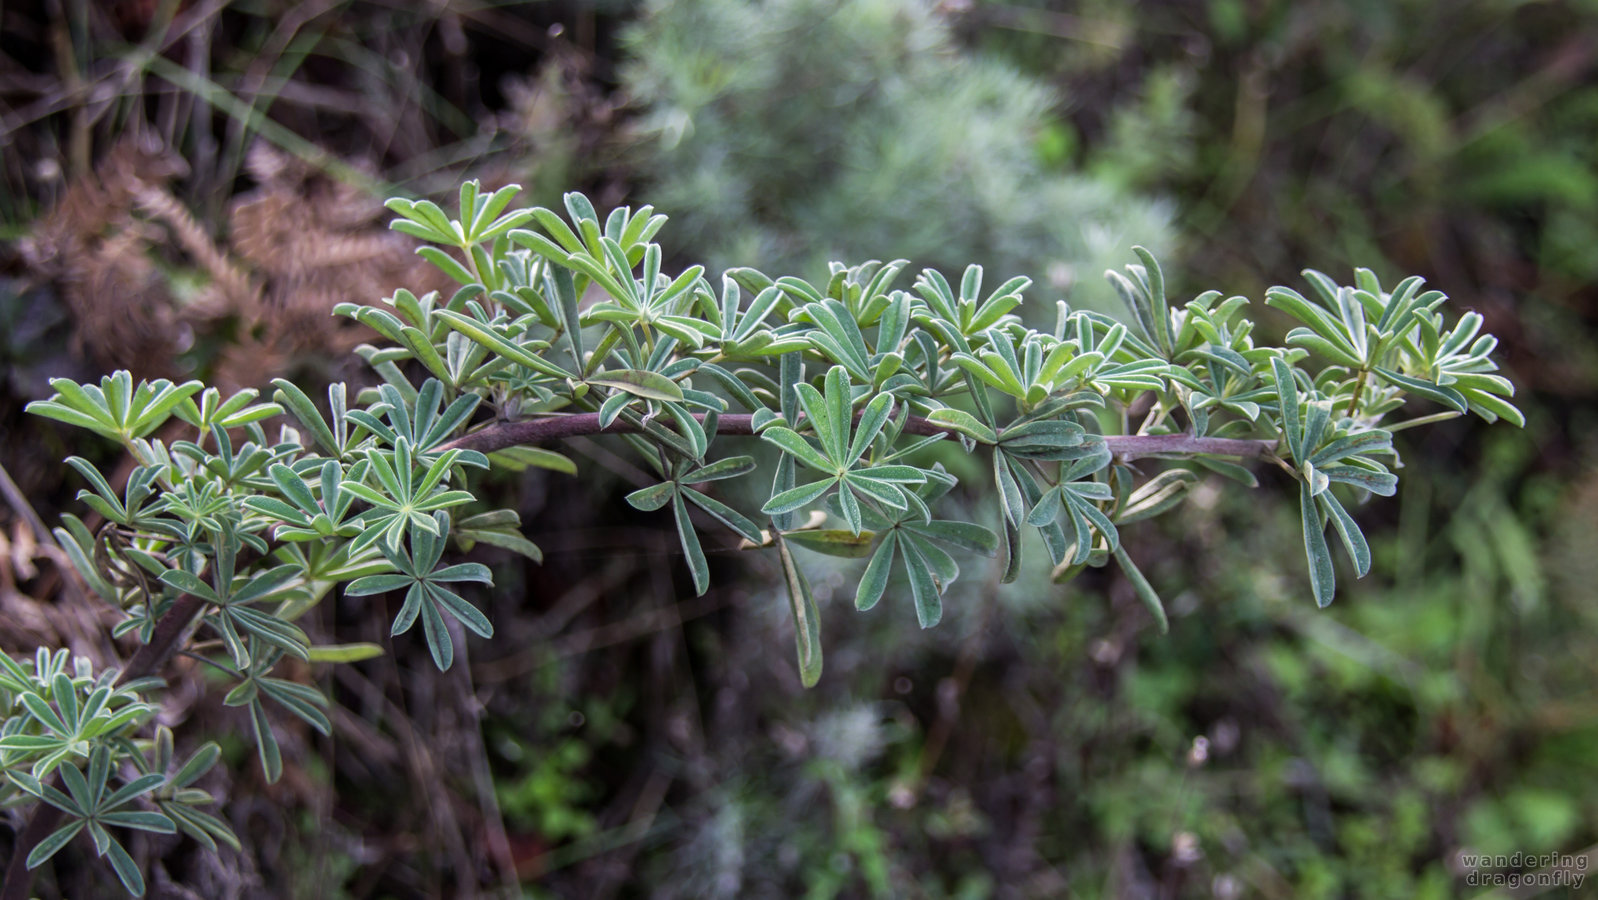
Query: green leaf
{"points": [[189, 583], [447, 264], [965, 535], [203, 827], [266, 743], [52, 409], [344, 653], [1353, 445], [498, 343], [1145, 591], [728, 516], [872, 419], [139, 820], [1159, 309], [1292, 421], [1491, 408], [1323, 578], [923, 588], [731, 467], [1382, 483], [54, 842], [849, 507], [806, 618], [795, 445], [1447, 396], [197, 765], [833, 541], [690, 545], [1156, 496], [439, 643], [790, 500], [874, 582], [639, 383], [517, 459], [653, 497], [463, 611], [1348, 530], [127, 870], [305, 412], [818, 416], [958, 420]]}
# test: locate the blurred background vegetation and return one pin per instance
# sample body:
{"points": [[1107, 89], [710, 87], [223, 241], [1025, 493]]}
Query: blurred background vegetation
{"points": [[186, 187]]}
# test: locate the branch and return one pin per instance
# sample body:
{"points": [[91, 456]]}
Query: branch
{"points": [[168, 631], [501, 435]]}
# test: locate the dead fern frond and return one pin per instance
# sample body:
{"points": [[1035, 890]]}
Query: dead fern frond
{"points": [[299, 244], [315, 242], [96, 248], [227, 278]]}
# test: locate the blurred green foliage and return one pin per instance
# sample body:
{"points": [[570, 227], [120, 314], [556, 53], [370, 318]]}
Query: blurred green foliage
{"points": [[797, 132]]}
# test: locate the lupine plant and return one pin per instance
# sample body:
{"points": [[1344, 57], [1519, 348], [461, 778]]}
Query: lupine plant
{"points": [[225, 533]]}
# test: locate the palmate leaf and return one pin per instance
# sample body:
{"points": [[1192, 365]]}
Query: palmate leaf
{"points": [[402, 495], [303, 516], [92, 806], [303, 701], [115, 408], [841, 456], [928, 569], [1078, 497], [678, 494], [69, 729], [426, 597], [235, 412], [480, 220], [421, 420]]}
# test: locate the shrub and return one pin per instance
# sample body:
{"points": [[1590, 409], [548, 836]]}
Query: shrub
{"points": [[800, 131], [850, 383]]}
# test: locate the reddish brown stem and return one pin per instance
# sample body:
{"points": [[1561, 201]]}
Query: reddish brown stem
{"points": [[501, 435]]}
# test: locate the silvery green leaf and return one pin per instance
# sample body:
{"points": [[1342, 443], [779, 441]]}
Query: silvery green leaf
{"points": [[806, 618], [1323, 578], [1145, 591]]}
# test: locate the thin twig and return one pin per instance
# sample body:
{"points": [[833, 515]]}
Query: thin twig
{"points": [[476, 752], [23, 508]]}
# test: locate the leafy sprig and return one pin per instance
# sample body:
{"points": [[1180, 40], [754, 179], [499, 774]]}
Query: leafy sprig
{"points": [[566, 325]]}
